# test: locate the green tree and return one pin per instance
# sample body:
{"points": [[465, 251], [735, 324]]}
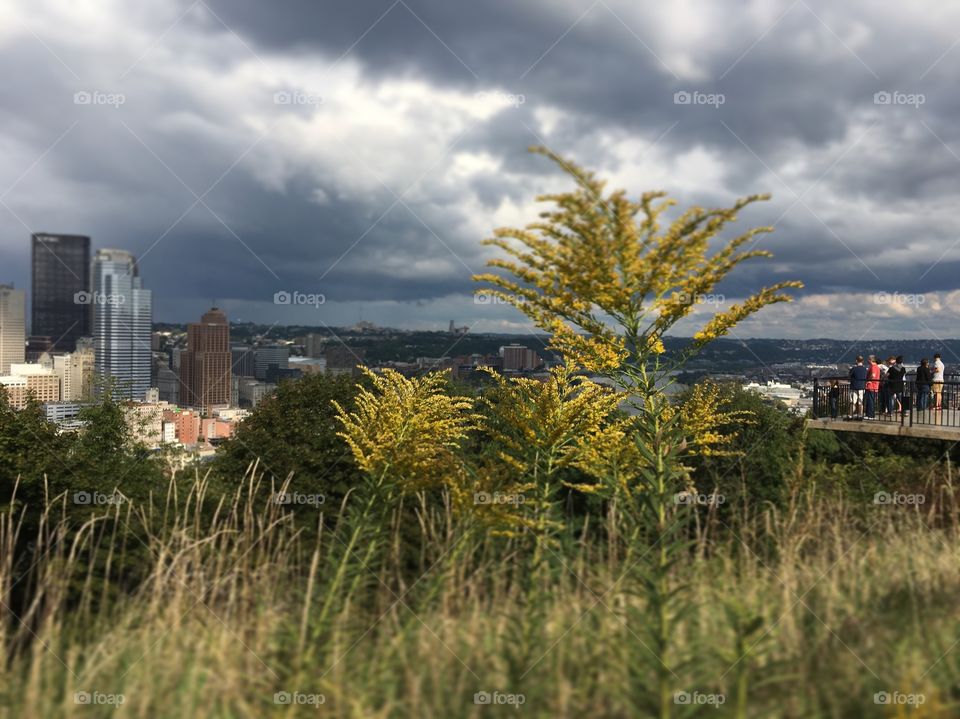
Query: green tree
{"points": [[30, 448], [295, 432], [761, 455]]}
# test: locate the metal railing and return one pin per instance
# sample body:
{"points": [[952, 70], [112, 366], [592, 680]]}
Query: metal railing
{"points": [[936, 404]]}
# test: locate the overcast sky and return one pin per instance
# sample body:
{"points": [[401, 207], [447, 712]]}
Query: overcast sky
{"points": [[361, 150]]}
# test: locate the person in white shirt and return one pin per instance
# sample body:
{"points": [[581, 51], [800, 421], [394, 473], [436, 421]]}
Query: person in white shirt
{"points": [[938, 369]]}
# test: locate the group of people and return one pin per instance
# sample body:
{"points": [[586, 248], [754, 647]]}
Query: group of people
{"points": [[878, 387]]}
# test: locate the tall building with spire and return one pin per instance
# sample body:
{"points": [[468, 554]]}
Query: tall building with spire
{"points": [[122, 322], [13, 337], [60, 274], [205, 366]]}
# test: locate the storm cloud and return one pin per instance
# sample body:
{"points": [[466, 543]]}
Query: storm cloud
{"points": [[362, 150]]}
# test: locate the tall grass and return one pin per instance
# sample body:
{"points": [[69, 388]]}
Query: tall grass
{"points": [[194, 605]]}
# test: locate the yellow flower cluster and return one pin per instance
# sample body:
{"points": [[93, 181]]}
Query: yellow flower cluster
{"points": [[707, 423], [407, 427], [607, 282], [540, 427]]}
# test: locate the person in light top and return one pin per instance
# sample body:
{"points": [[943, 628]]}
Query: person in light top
{"points": [[938, 369]]}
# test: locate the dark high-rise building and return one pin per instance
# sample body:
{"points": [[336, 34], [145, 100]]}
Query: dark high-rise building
{"points": [[263, 357], [60, 303], [243, 364], [205, 365]]}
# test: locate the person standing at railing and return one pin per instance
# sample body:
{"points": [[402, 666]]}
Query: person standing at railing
{"points": [[924, 380], [834, 396], [895, 374], [938, 369], [858, 381], [872, 387]]}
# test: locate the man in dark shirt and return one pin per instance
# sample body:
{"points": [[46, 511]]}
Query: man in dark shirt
{"points": [[923, 382], [895, 375], [858, 383]]}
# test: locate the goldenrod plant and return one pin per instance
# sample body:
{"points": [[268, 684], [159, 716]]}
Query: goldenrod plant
{"points": [[608, 278], [404, 434], [540, 428], [406, 428]]}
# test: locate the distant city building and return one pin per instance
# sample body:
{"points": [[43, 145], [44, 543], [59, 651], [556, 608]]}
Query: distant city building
{"points": [[167, 382], [26, 380], [517, 358], [13, 335], [214, 430], [270, 355], [276, 374], [309, 365], [344, 360], [313, 345], [205, 364], [250, 392], [122, 322], [75, 371], [38, 345], [242, 361], [146, 420], [60, 272], [62, 411], [454, 330]]}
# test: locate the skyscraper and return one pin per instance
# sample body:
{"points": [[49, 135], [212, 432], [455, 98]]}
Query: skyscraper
{"points": [[205, 365], [13, 338], [61, 285], [122, 322]]}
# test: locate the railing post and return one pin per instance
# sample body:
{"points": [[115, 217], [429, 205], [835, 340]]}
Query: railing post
{"points": [[816, 396], [913, 399]]}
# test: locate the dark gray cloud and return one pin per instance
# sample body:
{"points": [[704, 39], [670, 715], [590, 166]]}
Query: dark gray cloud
{"points": [[346, 148]]}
